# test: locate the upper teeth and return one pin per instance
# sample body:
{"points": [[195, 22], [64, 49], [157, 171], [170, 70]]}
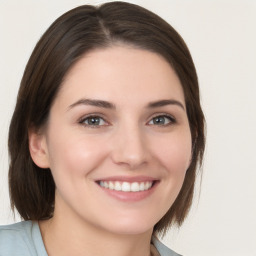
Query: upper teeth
{"points": [[126, 186]]}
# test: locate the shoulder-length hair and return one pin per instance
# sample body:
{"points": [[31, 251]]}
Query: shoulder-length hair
{"points": [[70, 37]]}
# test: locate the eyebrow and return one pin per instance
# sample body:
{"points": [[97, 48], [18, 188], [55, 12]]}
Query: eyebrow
{"points": [[109, 105], [162, 103], [92, 102]]}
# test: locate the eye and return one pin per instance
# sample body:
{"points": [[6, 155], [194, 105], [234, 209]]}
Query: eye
{"points": [[93, 121], [162, 120]]}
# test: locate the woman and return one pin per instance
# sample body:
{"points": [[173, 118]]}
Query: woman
{"points": [[105, 138]]}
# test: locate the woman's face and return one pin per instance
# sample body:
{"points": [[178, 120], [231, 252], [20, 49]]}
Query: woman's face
{"points": [[118, 140]]}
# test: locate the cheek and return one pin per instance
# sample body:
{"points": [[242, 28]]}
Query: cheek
{"points": [[74, 156], [175, 154]]}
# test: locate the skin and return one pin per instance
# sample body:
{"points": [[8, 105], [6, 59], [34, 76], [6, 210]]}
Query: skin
{"points": [[127, 142]]}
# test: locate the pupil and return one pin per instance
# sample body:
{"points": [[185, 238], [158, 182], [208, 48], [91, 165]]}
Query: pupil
{"points": [[94, 121], [159, 120]]}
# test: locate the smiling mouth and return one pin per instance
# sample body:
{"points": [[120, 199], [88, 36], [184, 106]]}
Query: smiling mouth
{"points": [[126, 186]]}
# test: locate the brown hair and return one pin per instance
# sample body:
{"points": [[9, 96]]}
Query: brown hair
{"points": [[75, 33]]}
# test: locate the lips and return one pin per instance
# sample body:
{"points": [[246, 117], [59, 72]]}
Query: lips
{"points": [[126, 186]]}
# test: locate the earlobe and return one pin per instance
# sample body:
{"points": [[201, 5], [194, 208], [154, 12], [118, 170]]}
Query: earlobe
{"points": [[38, 149]]}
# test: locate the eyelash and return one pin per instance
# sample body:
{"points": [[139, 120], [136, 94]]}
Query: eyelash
{"points": [[171, 119], [95, 116], [82, 121]]}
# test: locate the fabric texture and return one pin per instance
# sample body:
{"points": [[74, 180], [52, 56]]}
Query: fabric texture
{"points": [[24, 239], [21, 239]]}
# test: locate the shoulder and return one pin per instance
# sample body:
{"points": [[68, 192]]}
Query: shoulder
{"points": [[162, 249], [23, 239]]}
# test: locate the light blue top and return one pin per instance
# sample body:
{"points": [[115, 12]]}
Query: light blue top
{"points": [[24, 239]]}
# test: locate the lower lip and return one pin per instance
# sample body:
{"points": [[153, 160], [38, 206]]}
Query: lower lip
{"points": [[130, 196]]}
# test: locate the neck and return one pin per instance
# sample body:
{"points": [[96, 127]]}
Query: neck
{"points": [[69, 235]]}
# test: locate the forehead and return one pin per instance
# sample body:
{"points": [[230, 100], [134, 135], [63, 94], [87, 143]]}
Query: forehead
{"points": [[119, 73]]}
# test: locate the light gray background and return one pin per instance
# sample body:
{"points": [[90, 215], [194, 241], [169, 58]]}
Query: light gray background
{"points": [[222, 38]]}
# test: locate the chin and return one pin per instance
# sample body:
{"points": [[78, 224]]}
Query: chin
{"points": [[130, 226]]}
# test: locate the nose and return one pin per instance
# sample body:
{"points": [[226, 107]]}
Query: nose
{"points": [[130, 148]]}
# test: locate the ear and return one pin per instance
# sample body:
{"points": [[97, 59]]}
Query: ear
{"points": [[38, 148]]}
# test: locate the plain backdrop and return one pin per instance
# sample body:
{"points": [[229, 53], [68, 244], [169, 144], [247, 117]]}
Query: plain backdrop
{"points": [[221, 36]]}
